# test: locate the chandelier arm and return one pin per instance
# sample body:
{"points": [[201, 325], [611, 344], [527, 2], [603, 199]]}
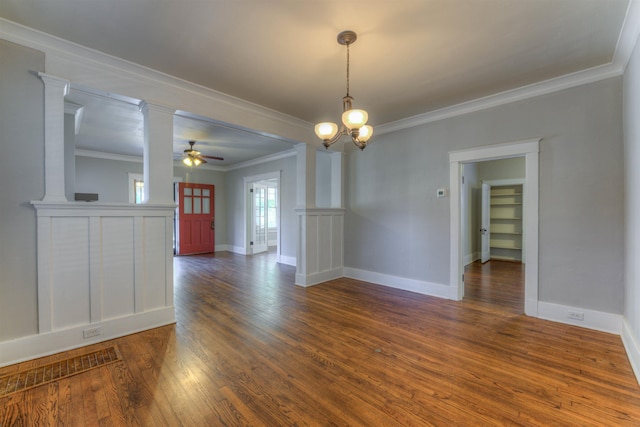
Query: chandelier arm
{"points": [[336, 137]]}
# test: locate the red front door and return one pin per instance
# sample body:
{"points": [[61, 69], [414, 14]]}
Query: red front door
{"points": [[195, 219]]}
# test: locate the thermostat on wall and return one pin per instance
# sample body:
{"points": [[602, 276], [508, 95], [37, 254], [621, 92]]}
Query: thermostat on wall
{"points": [[442, 192]]}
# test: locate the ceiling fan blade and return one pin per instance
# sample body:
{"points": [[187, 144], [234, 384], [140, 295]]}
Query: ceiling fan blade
{"points": [[213, 157]]}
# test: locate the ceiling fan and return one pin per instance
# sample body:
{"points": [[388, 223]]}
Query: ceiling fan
{"points": [[193, 157]]}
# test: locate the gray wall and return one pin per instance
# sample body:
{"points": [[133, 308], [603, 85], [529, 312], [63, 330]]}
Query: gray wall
{"points": [[632, 195], [21, 137], [235, 203], [395, 224], [110, 179]]}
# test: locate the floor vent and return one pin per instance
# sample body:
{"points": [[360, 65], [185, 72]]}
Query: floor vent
{"points": [[34, 377]]}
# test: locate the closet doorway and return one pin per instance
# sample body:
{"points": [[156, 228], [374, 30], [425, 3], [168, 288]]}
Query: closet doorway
{"points": [[529, 150]]}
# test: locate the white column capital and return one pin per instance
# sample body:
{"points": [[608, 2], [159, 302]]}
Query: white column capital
{"points": [[146, 106], [53, 81]]}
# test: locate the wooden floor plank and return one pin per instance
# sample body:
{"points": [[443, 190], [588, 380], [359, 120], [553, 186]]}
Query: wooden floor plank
{"points": [[250, 348]]}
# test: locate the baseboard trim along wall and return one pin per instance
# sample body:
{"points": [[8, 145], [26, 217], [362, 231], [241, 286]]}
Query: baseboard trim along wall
{"points": [[34, 346], [426, 288], [288, 260], [597, 320], [469, 258], [632, 347], [317, 278]]}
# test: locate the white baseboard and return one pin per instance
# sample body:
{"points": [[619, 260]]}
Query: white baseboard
{"points": [[221, 248], [288, 260], [632, 347], [597, 320], [34, 346], [316, 278], [469, 258], [236, 250], [426, 288]]}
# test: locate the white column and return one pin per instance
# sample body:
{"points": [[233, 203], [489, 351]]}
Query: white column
{"points": [[158, 153], [55, 90], [306, 176], [337, 179]]}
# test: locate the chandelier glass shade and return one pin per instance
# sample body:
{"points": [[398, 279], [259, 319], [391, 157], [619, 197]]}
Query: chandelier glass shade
{"points": [[354, 121]]}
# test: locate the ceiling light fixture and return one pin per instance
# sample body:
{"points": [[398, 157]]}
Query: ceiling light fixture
{"points": [[354, 122]]}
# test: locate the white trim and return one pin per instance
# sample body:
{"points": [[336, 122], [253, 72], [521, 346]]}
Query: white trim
{"points": [[57, 49], [236, 250], [265, 159], [557, 84], [306, 280], [472, 257], [628, 35], [139, 159], [79, 152], [246, 198], [288, 260], [530, 150], [221, 248], [597, 320], [418, 286], [632, 347], [34, 346]]}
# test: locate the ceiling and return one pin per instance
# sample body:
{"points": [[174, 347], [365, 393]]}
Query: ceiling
{"points": [[411, 56]]}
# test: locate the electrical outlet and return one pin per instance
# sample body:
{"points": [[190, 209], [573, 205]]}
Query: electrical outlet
{"points": [[575, 315], [91, 332]]}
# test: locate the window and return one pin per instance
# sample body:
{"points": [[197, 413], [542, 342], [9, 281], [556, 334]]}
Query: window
{"points": [[272, 204], [138, 188]]}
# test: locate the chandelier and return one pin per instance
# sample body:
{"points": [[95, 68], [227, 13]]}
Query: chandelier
{"points": [[354, 122]]}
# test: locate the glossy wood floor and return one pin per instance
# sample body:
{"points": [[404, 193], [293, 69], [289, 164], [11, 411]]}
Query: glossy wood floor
{"points": [[249, 348]]}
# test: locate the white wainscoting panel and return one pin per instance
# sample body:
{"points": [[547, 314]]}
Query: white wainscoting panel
{"points": [[117, 283], [99, 265], [70, 272], [320, 245]]}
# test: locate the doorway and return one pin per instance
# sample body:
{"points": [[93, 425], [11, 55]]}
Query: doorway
{"points": [[195, 225], [262, 214], [529, 149]]}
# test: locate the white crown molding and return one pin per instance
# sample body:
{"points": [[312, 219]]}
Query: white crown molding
{"points": [[107, 156], [626, 42], [138, 159], [536, 89], [265, 159], [53, 45], [628, 35]]}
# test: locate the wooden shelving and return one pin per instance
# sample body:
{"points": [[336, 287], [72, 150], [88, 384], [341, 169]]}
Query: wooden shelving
{"points": [[506, 222]]}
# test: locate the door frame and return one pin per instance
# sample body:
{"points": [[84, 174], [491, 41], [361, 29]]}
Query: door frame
{"points": [[248, 214], [530, 150]]}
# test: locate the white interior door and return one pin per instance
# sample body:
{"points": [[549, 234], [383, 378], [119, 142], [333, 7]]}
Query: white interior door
{"points": [[259, 228], [485, 230]]}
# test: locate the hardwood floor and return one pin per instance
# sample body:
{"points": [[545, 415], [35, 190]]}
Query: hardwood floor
{"points": [[496, 283], [249, 348]]}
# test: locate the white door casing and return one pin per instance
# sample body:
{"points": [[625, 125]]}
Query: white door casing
{"points": [[485, 230], [530, 150]]}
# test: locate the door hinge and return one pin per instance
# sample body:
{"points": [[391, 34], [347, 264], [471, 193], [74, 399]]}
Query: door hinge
{"points": [[251, 190], [463, 277], [251, 243], [463, 179]]}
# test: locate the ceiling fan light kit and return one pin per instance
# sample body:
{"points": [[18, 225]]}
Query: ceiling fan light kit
{"points": [[193, 157], [354, 122]]}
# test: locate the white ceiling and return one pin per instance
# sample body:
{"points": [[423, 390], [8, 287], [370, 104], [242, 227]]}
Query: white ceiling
{"points": [[411, 56]]}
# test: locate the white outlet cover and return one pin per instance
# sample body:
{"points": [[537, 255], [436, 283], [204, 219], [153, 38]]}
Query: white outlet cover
{"points": [[441, 192]]}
